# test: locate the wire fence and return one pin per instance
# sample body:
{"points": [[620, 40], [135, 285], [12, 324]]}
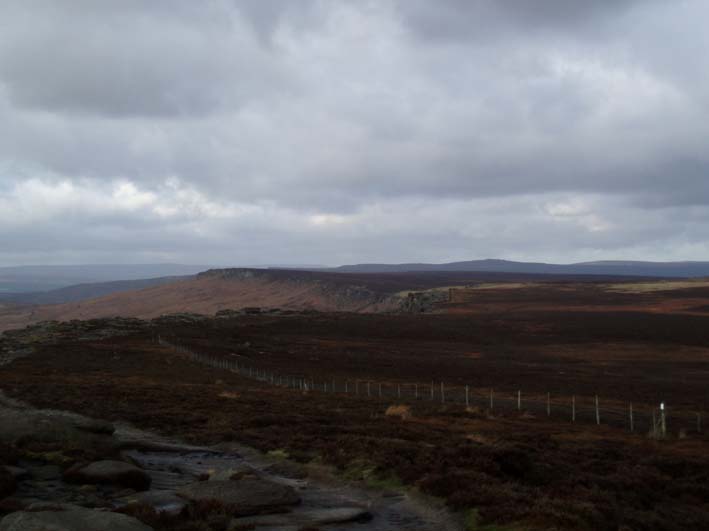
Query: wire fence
{"points": [[658, 422]]}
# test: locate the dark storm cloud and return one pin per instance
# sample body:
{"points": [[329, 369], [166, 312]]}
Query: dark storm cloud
{"points": [[484, 19], [326, 131]]}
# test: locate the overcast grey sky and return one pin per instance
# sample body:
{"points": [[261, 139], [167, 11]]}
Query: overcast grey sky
{"points": [[279, 131]]}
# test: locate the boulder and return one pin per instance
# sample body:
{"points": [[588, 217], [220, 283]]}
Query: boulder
{"points": [[114, 472], [162, 501], [75, 519], [46, 431], [242, 497]]}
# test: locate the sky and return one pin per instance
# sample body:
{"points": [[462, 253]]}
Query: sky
{"points": [[234, 132]]}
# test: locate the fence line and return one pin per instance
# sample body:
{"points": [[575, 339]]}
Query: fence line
{"points": [[655, 423]]}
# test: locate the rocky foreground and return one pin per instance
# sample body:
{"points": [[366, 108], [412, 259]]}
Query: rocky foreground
{"points": [[66, 472]]}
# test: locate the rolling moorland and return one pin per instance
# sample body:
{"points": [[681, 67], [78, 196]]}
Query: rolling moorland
{"points": [[345, 372], [220, 289]]}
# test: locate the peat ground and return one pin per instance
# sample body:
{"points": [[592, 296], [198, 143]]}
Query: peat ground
{"points": [[507, 468], [513, 469]]}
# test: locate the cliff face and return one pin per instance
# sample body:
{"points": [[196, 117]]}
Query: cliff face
{"points": [[222, 289], [213, 291], [423, 301]]}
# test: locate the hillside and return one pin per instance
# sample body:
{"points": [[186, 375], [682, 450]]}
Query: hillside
{"points": [[219, 289], [81, 292]]}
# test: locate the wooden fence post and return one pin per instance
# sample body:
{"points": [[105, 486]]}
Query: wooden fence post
{"points": [[548, 404], [598, 413], [573, 408], [632, 423], [519, 400], [654, 423], [467, 399]]}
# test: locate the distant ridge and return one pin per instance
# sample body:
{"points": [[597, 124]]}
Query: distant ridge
{"points": [[41, 278], [604, 267], [81, 292]]}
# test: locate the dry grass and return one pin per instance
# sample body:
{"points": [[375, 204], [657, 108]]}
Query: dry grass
{"points": [[229, 394], [650, 287], [401, 411], [503, 285]]}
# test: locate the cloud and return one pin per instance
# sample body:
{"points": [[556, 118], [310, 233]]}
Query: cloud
{"points": [[126, 59], [493, 19], [329, 130]]}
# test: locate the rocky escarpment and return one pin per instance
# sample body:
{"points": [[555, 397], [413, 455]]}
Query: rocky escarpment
{"points": [[423, 301], [307, 289]]}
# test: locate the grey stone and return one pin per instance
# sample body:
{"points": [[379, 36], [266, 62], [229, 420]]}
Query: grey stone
{"points": [[243, 497], [162, 501], [21, 427], [115, 472], [75, 519]]}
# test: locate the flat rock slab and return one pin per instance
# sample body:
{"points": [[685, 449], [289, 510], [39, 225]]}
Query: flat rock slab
{"points": [[77, 519], [162, 501], [243, 497], [114, 472]]}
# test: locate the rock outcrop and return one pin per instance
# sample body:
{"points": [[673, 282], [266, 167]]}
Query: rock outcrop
{"points": [[112, 472], [243, 497], [73, 519]]}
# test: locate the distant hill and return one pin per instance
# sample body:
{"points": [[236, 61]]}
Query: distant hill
{"points": [[610, 268], [21, 279], [81, 292]]}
